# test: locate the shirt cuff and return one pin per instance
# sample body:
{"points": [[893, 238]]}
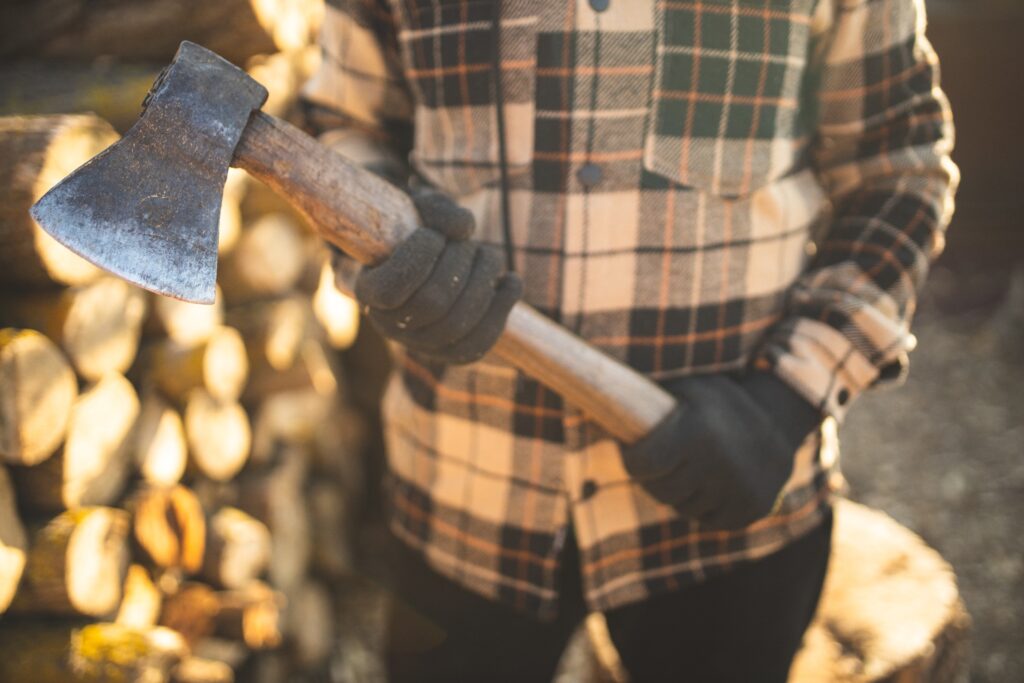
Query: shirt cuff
{"points": [[819, 362]]}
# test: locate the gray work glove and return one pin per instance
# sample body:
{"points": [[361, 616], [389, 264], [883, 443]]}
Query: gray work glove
{"points": [[724, 454], [440, 294]]}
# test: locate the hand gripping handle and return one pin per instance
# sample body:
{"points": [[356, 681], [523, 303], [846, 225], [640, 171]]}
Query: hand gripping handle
{"points": [[367, 217]]}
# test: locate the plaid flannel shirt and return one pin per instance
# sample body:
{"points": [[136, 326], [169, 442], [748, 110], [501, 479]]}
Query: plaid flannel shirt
{"points": [[695, 186]]}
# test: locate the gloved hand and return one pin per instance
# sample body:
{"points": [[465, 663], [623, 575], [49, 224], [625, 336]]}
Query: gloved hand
{"points": [[441, 294], [724, 454]]}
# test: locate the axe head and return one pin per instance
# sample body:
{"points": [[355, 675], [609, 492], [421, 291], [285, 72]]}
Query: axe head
{"points": [[147, 207]]}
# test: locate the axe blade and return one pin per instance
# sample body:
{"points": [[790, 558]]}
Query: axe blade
{"points": [[147, 208]]}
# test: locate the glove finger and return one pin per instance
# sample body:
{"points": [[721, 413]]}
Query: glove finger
{"points": [[439, 212], [433, 300], [390, 283], [471, 306], [658, 452], [484, 334]]}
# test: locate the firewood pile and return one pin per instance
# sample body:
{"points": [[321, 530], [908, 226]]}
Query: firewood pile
{"points": [[177, 481]]}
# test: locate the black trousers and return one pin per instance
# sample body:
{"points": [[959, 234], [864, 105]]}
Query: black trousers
{"points": [[743, 626]]}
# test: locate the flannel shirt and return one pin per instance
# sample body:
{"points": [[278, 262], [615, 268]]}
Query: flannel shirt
{"points": [[696, 186]]}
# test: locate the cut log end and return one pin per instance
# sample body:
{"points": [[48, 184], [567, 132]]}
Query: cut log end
{"points": [[39, 389]]}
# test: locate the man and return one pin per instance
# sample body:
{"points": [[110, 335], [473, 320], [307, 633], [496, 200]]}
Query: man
{"points": [[738, 198]]}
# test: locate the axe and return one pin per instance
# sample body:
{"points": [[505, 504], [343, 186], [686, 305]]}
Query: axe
{"points": [[147, 209]]}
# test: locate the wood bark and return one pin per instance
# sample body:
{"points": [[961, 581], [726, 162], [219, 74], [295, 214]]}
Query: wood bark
{"points": [[139, 30], [266, 262], [39, 151], [274, 331], [13, 542], [98, 325], [219, 436], [184, 323], [77, 564], [56, 652], [314, 369], [141, 600], [217, 364], [252, 614], [238, 549], [191, 611], [114, 91], [160, 449], [276, 498], [36, 399], [170, 526], [199, 670], [94, 463]]}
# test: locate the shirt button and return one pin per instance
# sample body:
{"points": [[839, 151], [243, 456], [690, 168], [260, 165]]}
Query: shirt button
{"points": [[589, 489], [599, 5], [589, 175], [843, 396]]}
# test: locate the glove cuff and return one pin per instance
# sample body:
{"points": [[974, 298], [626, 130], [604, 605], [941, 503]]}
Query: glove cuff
{"points": [[792, 414]]}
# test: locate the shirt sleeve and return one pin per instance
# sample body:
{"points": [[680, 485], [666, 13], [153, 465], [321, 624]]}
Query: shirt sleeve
{"points": [[358, 101], [884, 135]]}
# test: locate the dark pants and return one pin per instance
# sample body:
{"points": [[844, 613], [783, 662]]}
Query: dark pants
{"points": [[744, 626]]}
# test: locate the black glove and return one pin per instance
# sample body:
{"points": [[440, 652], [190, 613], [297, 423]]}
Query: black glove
{"points": [[724, 454], [441, 294]]}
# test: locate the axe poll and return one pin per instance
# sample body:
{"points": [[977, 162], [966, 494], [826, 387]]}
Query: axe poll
{"points": [[147, 209]]}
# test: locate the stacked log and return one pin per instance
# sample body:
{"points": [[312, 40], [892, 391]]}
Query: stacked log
{"points": [[177, 481]]}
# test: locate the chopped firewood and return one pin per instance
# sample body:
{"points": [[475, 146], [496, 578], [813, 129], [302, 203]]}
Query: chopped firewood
{"points": [[94, 463], [273, 331], [276, 498], [266, 261], [312, 369], [55, 652], [98, 325], [111, 90], [217, 364], [337, 312], [76, 564], [290, 417], [13, 542], [169, 525], [39, 151], [141, 600], [187, 324], [143, 30], [39, 390], [229, 652], [219, 436], [283, 75], [237, 549], [160, 451], [251, 614], [191, 611], [198, 670]]}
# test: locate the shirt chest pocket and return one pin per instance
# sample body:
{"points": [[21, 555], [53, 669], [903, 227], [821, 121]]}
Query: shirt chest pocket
{"points": [[726, 114], [448, 51]]}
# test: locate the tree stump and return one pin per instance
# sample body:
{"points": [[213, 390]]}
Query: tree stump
{"points": [[890, 613], [12, 542]]}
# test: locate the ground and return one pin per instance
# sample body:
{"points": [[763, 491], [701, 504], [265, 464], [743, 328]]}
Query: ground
{"points": [[944, 455]]}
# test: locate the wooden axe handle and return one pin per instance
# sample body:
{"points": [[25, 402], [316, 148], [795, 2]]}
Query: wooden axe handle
{"points": [[367, 217]]}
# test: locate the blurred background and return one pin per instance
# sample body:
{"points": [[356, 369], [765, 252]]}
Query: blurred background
{"points": [[212, 470]]}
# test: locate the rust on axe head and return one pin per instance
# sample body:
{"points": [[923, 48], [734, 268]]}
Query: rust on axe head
{"points": [[147, 207]]}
